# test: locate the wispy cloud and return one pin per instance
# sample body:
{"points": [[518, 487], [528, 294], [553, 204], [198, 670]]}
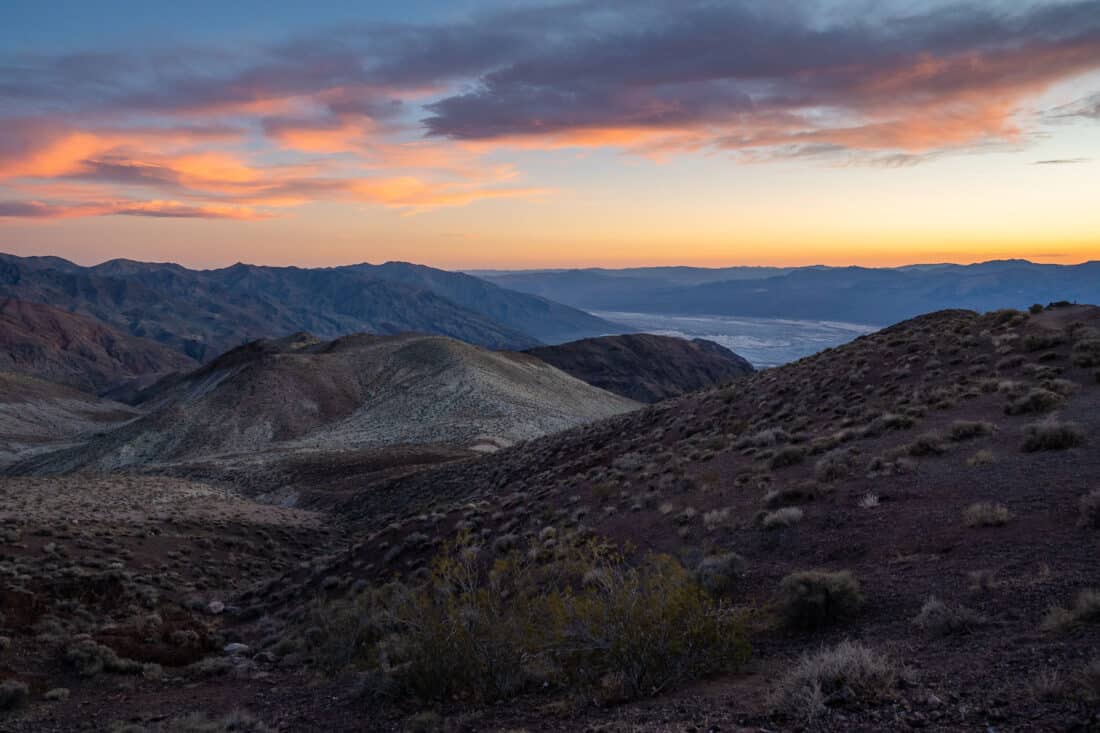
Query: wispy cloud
{"points": [[410, 115]]}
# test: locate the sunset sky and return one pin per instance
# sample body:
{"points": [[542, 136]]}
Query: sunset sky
{"points": [[537, 134]]}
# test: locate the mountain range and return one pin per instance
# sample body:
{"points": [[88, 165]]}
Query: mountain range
{"points": [[203, 313], [876, 296]]}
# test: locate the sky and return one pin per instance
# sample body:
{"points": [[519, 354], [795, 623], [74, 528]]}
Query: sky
{"points": [[468, 134]]}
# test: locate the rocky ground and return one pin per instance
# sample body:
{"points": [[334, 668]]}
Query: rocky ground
{"points": [[947, 465]]}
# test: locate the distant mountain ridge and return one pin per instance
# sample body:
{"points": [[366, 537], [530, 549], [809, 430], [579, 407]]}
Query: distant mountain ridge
{"points": [[862, 295], [203, 313], [646, 367]]}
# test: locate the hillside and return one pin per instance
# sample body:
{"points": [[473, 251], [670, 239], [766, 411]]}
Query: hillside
{"points": [[936, 478], [36, 415], [857, 294], [67, 348], [644, 367], [357, 392], [203, 313]]}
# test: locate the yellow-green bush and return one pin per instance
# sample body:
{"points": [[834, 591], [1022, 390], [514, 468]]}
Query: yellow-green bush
{"points": [[586, 620]]}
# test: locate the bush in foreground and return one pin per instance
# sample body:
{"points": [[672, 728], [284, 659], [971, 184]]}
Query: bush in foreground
{"points": [[1085, 610], [1053, 435], [940, 619], [986, 514], [849, 669], [13, 694], [587, 620], [814, 598]]}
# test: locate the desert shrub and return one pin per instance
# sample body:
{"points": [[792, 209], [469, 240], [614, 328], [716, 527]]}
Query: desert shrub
{"points": [[1088, 682], [719, 573], [1035, 401], [940, 619], [780, 518], [1085, 610], [1064, 387], [969, 429], [1053, 435], [236, 722], [801, 492], [981, 458], [588, 620], [862, 675], [13, 694], [887, 421], [88, 658], [926, 444], [716, 518], [1035, 309], [787, 456], [1090, 509], [811, 599], [1086, 353], [986, 514], [833, 466], [1040, 341]]}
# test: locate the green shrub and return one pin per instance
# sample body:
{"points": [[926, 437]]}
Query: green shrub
{"points": [[1053, 435], [588, 620], [812, 599], [850, 669]]}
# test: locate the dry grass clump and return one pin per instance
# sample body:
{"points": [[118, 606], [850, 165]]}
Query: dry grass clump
{"points": [[981, 458], [1085, 610], [719, 573], [927, 444], [781, 518], [849, 672], [940, 619], [236, 722], [811, 599], [986, 514], [1040, 341], [801, 492], [588, 620], [790, 455], [88, 658], [1090, 509], [1053, 435], [833, 466], [1037, 400], [13, 694], [1086, 353], [969, 429]]}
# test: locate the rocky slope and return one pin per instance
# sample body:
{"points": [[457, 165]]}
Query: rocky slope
{"points": [[645, 367], [361, 391], [205, 313], [42, 341], [36, 415]]}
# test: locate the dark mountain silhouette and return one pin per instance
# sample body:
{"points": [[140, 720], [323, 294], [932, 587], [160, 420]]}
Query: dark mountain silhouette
{"points": [[857, 294], [206, 312], [645, 367]]}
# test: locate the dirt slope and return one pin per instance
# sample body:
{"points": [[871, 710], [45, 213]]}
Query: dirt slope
{"points": [[37, 416], [353, 393], [46, 342], [645, 367]]}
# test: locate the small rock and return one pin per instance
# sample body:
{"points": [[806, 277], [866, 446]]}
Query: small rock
{"points": [[57, 694], [215, 607], [236, 648]]}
